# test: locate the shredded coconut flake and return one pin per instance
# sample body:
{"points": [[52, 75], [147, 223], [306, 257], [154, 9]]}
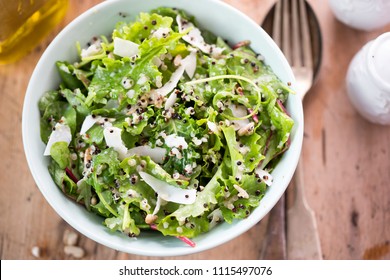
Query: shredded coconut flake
{"points": [[65, 68], [89, 121], [241, 192], [61, 133], [197, 141], [247, 129], [176, 152], [162, 32], [190, 111], [264, 176], [157, 154], [189, 63], [91, 50], [170, 101], [216, 217], [194, 37], [168, 192], [125, 48], [112, 136], [239, 111], [171, 84], [212, 126], [173, 140]]}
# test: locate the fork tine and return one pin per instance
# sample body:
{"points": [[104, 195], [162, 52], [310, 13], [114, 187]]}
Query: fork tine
{"points": [[307, 52], [276, 31], [296, 46], [286, 44]]}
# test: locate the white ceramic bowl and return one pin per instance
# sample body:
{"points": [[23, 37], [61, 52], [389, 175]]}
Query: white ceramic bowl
{"points": [[217, 17]]}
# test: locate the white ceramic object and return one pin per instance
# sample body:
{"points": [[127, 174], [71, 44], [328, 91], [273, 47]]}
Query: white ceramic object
{"points": [[362, 14], [226, 22], [368, 80]]}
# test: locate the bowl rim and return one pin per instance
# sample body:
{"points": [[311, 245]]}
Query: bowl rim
{"points": [[296, 145]]}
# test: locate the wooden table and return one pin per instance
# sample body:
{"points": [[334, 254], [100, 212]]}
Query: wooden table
{"points": [[346, 161]]}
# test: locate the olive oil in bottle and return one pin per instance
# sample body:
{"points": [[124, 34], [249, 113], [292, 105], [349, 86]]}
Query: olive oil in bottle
{"points": [[24, 23]]}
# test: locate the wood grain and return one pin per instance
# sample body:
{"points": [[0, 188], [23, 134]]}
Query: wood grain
{"points": [[346, 159]]}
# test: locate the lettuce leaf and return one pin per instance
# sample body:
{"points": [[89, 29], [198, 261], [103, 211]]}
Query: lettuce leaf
{"points": [[142, 28], [192, 219], [60, 153]]}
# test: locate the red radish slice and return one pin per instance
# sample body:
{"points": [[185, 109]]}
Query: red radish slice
{"points": [[71, 175], [182, 238], [187, 241], [254, 116]]}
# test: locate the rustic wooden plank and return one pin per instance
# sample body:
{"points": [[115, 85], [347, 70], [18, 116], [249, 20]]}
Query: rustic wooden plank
{"points": [[275, 240], [346, 158], [27, 220]]}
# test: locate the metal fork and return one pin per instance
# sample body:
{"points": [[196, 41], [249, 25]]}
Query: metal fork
{"points": [[291, 33], [296, 48]]}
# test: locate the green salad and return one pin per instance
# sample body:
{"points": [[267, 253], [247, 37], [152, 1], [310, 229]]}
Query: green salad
{"points": [[164, 126]]}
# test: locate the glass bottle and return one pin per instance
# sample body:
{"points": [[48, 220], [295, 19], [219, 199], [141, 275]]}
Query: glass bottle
{"points": [[24, 23]]}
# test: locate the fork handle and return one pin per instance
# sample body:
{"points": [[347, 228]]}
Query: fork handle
{"points": [[302, 234]]}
